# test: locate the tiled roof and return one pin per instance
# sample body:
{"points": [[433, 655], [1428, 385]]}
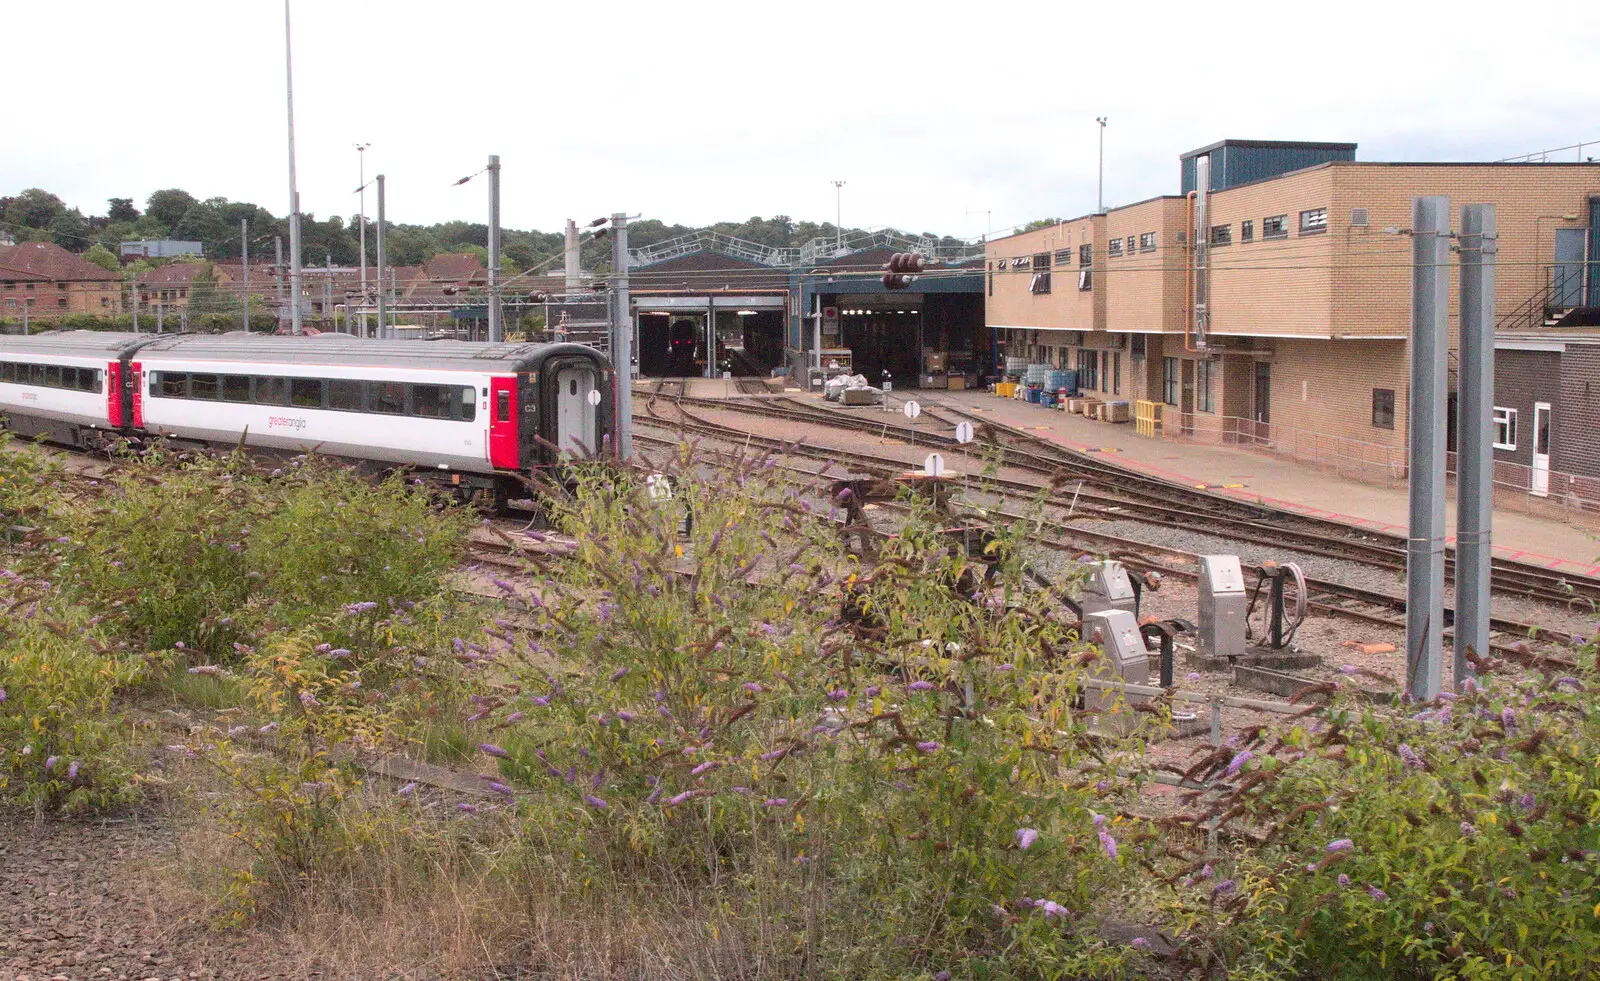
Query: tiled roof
{"points": [[455, 267], [48, 261]]}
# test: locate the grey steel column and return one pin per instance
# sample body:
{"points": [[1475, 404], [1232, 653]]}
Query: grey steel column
{"points": [[496, 327], [361, 221], [383, 307], [1430, 251], [1475, 437], [133, 296], [294, 193], [244, 266], [277, 274], [622, 335]]}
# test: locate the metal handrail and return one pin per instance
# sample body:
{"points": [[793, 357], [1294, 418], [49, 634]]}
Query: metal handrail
{"points": [[1543, 156], [1533, 311]]}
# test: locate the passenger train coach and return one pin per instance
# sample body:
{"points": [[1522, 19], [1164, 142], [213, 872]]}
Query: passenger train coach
{"points": [[476, 414]]}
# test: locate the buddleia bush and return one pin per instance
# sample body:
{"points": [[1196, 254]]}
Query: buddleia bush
{"points": [[879, 772]]}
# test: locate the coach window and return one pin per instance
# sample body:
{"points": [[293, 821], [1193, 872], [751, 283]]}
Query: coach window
{"points": [[306, 392], [36, 374], [467, 408], [89, 379], [172, 384], [8, 372], [388, 398], [52, 376], [429, 402], [502, 405], [203, 387], [272, 391], [235, 388], [344, 393]]}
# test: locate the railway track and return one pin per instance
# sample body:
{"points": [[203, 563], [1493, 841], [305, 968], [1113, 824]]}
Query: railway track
{"points": [[1174, 505]]}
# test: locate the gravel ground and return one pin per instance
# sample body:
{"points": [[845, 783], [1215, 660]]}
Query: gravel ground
{"points": [[78, 901]]}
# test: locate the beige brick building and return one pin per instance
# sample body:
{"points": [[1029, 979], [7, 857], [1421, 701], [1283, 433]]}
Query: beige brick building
{"points": [[1308, 304]]}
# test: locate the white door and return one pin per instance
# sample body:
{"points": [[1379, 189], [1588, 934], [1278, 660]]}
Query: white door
{"points": [[575, 417], [1540, 481]]}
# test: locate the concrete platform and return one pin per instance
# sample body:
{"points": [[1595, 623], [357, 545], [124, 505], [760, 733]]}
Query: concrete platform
{"points": [[1258, 477]]}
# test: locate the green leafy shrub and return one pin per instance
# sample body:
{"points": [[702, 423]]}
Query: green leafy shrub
{"points": [[1462, 841], [63, 745]]}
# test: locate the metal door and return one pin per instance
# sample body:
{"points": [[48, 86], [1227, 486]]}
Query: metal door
{"points": [[575, 417], [1263, 407], [1539, 480], [504, 442], [1186, 397], [1567, 273]]}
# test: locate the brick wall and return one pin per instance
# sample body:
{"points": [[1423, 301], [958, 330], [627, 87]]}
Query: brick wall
{"points": [[1012, 303], [1576, 418], [1144, 288], [1522, 378]]}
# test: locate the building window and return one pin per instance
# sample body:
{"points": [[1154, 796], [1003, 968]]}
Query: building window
{"points": [[1147, 242], [1063, 257], [1383, 408], [1313, 221], [991, 279], [1002, 265], [1085, 281], [1221, 234], [61, 302], [1040, 283], [1114, 248], [1505, 428], [1247, 230], [1136, 346], [1088, 369], [1131, 241], [1116, 373], [1020, 262], [1275, 227], [1204, 401], [1169, 380], [1086, 256]]}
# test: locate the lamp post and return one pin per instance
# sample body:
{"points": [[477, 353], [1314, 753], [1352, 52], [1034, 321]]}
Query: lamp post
{"points": [[1101, 193], [294, 193], [838, 212], [361, 189], [496, 330]]}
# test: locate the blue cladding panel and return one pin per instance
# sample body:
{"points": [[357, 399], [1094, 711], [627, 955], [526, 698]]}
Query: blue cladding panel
{"points": [[1594, 252], [1241, 162]]}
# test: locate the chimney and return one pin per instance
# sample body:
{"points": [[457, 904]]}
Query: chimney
{"points": [[574, 275]]}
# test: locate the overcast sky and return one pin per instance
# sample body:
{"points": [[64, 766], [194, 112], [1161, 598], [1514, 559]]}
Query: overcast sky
{"points": [[696, 111]]}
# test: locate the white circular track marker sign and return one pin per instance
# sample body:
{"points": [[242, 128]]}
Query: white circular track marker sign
{"points": [[933, 466], [963, 432], [912, 410]]}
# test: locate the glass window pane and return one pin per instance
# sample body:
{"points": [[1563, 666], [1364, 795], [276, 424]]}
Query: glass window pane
{"points": [[89, 379], [52, 376], [272, 391], [344, 393], [203, 387], [388, 398], [306, 392], [428, 401], [8, 372], [172, 384], [235, 388]]}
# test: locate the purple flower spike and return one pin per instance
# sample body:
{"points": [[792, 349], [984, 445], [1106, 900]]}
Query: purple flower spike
{"points": [[514, 718], [492, 750], [467, 808], [1344, 881], [500, 788], [597, 803], [72, 770], [618, 675], [1508, 719], [2, 694], [1339, 845], [752, 686], [1467, 830], [50, 763], [1140, 943], [674, 801], [1005, 667], [1410, 757], [942, 976], [1051, 908], [921, 686], [838, 695], [1108, 843], [1526, 802], [408, 789], [775, 802], [1224, 887], [707, 766], [1237, 763], [1377, 894], [307, 699], [1026, 837], [928, 746]]}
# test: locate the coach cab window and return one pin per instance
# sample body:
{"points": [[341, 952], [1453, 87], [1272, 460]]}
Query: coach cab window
{"points": [[306, 392], [503, 405], [235, 388]]}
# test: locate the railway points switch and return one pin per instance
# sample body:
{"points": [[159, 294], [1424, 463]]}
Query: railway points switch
{"points": [[1222, 607], [1125, 658], [1108, 588]]}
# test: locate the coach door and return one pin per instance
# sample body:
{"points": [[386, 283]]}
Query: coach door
{"points": [[503, 441], [575, 416]]}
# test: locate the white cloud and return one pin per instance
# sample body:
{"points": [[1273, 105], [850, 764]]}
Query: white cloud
{"points": [[695, 112]]}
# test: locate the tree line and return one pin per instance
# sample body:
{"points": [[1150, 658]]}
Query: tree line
{"points": [[36, 214]]}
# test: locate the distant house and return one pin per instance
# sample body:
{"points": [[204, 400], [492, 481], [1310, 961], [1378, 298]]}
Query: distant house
{"points": [[164, 248], [41, 280], [171, 285]]}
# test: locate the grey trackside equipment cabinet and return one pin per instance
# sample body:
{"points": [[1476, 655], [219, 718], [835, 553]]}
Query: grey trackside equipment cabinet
{"points": [[1108, 588], [1222, 607], [1126, 658]]}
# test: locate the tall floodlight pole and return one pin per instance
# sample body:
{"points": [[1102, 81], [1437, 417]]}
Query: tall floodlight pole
{"points": [[244, 267], [1430, 284], [1475, 437], [838, 215], [496, 328], [622, 336], [294, 193], [383, 307], [1101, 194], [361, 189], [277, 275]]}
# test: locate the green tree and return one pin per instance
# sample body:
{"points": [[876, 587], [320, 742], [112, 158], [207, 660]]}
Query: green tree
{"points": [[169, 206], [70, 229], [1039, 223], [33, 208], [204, 297], [102, 257], [121, 209]]}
